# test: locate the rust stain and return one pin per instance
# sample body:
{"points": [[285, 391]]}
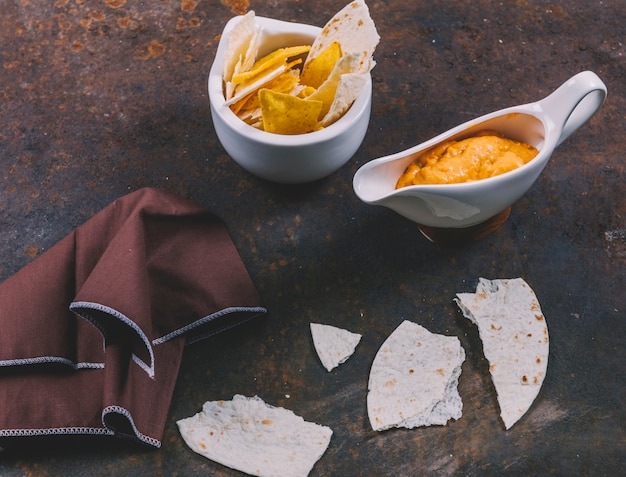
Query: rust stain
{"points": [[188, 5], [124, 22], [182, 23], [115, 3], [98, 15], [63, 23], [238, 7], [154, 50], [95, 16], [31, 251]]}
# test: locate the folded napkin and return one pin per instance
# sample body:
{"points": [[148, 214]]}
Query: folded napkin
{"points": [[92, 331]]}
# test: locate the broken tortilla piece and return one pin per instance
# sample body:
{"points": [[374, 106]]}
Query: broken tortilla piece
{"points": [[354, 30], [515, 341], [248, 435], [333, 345], [413, 380]]}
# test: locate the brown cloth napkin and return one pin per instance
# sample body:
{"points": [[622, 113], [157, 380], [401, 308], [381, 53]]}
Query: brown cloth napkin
{"points": [[92, 331]]}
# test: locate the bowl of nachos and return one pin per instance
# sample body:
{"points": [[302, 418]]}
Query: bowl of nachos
{"points": [[291, 102]]}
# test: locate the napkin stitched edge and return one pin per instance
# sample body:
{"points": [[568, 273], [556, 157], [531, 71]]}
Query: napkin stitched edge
{"points": [[81, 308]]}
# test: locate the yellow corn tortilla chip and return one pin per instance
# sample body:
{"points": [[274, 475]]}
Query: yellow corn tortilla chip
{"points": [[306, 91], [326, 92], [348, 90], [283, 83], [317, 70], [260, 80], [241, 105], [287, 114], [245, 90], [248, 109], [269, 62]]}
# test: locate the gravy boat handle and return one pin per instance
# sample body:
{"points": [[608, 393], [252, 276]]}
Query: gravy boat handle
{"points": [[574, 102]]}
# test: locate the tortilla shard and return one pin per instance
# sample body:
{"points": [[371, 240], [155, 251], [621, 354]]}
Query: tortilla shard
{"points": [[248, 435], [515, 340], [333, 345], [242, 49], [414, 378], [354, 30], [327, 92], [348, 90]]}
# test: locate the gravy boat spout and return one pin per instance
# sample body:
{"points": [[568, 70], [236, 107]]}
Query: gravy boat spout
{"points": [[544, 124]]}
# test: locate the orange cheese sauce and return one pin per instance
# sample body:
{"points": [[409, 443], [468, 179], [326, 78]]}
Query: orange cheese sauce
{"points": [[485, 155]]}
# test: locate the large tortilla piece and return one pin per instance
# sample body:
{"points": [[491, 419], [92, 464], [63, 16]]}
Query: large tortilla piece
{"points": [[413, 380], [243, 45], [248, 435], [333, 345], [354, 30], [515, 341]]}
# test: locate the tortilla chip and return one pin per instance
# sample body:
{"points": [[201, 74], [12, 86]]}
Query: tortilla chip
{"points": [[305, 92], [413, 380], [353, 28], [287, 114], [241, 51], [286, 82], [245, 90], [327, 90], [270, 62], [316, 71], [515, 341], [333, 345], [248, 435], [348, 90]]}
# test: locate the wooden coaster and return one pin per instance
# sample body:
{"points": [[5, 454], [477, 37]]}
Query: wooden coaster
{"points": [[460, 236]]}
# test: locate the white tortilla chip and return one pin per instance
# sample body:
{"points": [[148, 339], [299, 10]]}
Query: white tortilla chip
{"points": [[413, 380], [248, 435], [348, 90], [353, 28], [327, 92], [241, 52], [515, 341], [333, 345]]}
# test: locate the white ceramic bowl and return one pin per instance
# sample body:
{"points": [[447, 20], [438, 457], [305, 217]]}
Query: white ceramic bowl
{"points": [[544, 124], [290, 159]]}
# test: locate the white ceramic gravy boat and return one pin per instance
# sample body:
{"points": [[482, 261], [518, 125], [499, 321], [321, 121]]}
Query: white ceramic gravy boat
{"points": [[544, 124]]}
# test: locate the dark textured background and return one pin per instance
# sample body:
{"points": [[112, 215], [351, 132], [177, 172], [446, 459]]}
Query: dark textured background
{"points": [[99, 98]]}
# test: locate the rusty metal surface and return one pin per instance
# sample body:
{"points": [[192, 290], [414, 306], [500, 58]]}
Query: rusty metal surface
{"points": [[101, 98]]}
